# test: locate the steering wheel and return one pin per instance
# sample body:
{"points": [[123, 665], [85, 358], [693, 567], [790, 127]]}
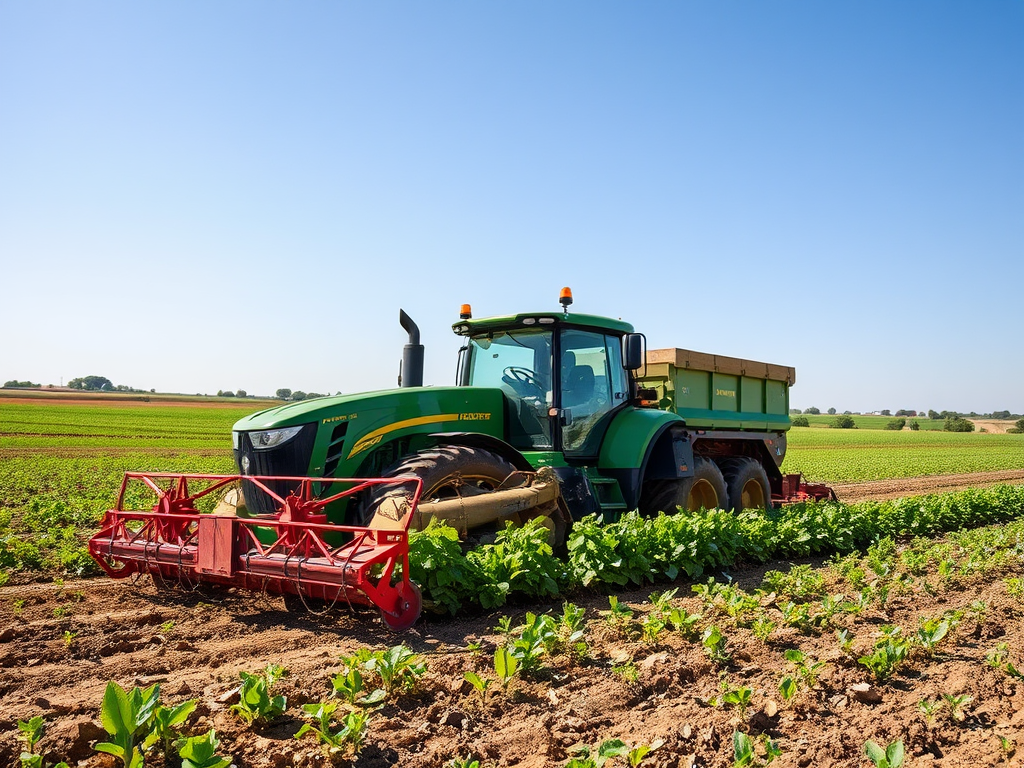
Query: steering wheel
{"points": [[527, 380]]}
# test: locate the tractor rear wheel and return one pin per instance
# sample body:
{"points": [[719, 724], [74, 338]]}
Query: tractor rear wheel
{"points": [[705, 490], [747, 483]]}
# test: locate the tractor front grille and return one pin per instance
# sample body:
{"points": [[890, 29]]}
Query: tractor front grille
{"points": [[289, 460]]}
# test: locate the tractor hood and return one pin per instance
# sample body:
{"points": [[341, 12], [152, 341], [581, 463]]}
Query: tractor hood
{"points": [[342, 431]]}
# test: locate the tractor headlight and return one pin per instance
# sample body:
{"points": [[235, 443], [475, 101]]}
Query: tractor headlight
{"points": [[271, 438]]}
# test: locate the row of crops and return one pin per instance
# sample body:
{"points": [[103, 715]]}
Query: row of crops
{"points": [[637, 550], [63, 464]]}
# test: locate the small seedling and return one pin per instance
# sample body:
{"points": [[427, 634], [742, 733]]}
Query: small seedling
{"points": [[890, 757], [352, 731], [714, 645], [69, 638], [480, 683], [956, 705], [787, 688], [201, 752], [929, 709], [255, 705], [739, 698], [505, 666]]}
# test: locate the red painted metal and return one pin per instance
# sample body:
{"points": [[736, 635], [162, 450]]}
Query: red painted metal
{"points": [[294, 550], [795, 490]]}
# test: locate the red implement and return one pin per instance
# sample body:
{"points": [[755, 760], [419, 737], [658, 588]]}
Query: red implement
{"points": [[795, 490], [292, 551]]}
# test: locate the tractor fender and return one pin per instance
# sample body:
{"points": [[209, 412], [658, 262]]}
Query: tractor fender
{"points": [[641, 443], [487, 442]]}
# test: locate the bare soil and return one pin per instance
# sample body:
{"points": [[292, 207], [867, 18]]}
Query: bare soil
{"points": [[58, 650], [918, 486]]}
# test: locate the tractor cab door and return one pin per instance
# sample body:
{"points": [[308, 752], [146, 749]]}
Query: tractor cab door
{"points": [[592, 385]]}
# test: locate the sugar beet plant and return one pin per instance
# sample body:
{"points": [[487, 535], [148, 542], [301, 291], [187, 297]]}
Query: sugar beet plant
{"points": [[638, 550]]}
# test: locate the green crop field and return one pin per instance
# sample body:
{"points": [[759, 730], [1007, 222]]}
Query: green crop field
{"points": [[925, 424], [849, 455], [62, 462]]}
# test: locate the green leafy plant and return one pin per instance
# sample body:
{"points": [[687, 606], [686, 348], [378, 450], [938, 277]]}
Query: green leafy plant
{"points": [[929, 709], [595, 757], [890, 757], [931, 633], [462, 762], [31, 733], [807, 669], [619, 615], [739, 698], [165, 722], [350, 684], [124, 715], [351, 734], [745, 752], [255, 704], [956, 705], [399, 668], [715, 645], [887, 657], [788, 688], [201, 751], [763, 628], [505, 666], [480, 683]]}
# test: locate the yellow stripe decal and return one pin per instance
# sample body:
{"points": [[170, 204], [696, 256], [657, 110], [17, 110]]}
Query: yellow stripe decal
{"points": [[372, 438]]}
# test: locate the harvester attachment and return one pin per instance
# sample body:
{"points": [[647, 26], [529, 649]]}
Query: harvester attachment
{"points": [[795, 490], [291, 551]]}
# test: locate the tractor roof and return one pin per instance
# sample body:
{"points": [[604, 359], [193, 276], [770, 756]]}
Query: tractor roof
{"points": [[522, 320]]}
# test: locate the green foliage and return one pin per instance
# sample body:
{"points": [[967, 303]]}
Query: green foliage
{"points": [[890, 757], [957, 424], [896, 425], [505, 666], [843, 421], [595, 757], [255, 704], [745, 753], [888, 656], [714, 643], [165, 723], [799, 421], [201, 752], [351, 733], [125, 716], [399, 668]]}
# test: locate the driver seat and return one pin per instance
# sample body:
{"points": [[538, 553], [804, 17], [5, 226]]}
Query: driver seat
{"points": [[578, 387]]}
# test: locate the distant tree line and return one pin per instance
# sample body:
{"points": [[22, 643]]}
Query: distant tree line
{"points": [[14, 383], [287, 394]]}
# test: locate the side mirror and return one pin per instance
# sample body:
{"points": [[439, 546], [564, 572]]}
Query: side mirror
{"points": [[633, 351]]}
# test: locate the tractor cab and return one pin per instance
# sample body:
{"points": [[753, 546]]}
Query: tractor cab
{"points": [[562, 376]]}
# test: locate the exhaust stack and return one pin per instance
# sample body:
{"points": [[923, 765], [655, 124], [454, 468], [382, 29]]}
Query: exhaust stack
{"points": [[411, 373]]}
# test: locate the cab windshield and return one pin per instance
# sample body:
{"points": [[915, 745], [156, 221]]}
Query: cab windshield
{"points": [[519, 363]]}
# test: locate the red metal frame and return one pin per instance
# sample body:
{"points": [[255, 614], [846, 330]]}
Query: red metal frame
{"points": [[175, 542], [795, 490]]}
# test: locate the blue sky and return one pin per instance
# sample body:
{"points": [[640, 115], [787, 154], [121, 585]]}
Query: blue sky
{"points": [[202, 196]]}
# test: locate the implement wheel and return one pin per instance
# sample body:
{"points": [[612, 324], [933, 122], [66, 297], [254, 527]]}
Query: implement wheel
{"points": [[705, 490], [405, 614], [747, 483]]}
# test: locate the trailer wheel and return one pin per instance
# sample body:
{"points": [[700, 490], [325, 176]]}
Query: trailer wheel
{"points": [[747, 483], [705, 490]]}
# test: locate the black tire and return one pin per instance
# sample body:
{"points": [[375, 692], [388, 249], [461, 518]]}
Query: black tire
{"points": [[747, 483], [447, 472], [705, 490]]}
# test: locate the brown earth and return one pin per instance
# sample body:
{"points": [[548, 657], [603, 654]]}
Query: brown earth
{"points": [[61, 646], [995, 426], [918, 486]]}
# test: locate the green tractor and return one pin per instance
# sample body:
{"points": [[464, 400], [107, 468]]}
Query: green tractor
{"points": [[553, 415]]}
